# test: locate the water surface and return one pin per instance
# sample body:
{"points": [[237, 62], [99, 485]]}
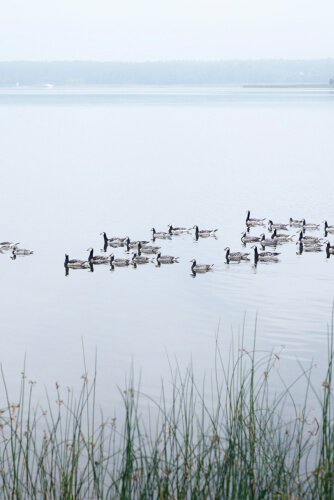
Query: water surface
{"points": [[76, 162]]}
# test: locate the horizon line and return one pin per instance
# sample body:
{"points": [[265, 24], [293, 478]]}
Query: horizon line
{"points": [[165, 60]]}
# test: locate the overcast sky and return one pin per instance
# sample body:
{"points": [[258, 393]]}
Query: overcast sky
{"points": [[140, 30]]}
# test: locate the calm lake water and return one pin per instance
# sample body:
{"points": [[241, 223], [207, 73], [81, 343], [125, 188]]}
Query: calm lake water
{"points": [[76, 162]]}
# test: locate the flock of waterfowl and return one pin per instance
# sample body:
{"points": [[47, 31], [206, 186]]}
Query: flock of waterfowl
{"points": [[140, 247], [305, 242]]}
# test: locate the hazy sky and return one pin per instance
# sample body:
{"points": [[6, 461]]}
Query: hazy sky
{"points": [[139, 30]]}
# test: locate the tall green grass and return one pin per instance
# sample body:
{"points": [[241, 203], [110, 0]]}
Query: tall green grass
{"points": [[236, 443]]}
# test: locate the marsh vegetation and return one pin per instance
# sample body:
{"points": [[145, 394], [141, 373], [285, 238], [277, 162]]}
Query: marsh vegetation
{"points": [[245, 441]]}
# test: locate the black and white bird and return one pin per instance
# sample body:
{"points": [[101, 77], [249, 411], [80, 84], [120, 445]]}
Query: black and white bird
{"points": [[75, 263], [269, 242], [281, 237], [235, 255], [177, 230], [166, 259], [245, 238], [277, 225], [307, 239], [295, 222], [204, 233], [329, 248], [97, 259], [309, 225], [6, 245], [138, 259], [118, 242], [134, 244], [112, 241], [264, 256], [160, 234], [21, 251], [200, 268], [118, 262], [253, 222], [308, 248], [328, 229], [147, 248]]}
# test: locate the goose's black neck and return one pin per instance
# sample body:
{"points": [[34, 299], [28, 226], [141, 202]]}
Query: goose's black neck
{"points": [[90, 255]]}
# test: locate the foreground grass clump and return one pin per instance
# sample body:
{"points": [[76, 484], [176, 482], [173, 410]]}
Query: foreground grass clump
{"points": [[238, 445]]}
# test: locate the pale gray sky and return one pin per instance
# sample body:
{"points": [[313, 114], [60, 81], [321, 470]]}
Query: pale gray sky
{"points": [[139, 30]]}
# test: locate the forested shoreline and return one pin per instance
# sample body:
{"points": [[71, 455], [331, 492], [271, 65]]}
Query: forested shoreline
{"points": [[168, 72]]}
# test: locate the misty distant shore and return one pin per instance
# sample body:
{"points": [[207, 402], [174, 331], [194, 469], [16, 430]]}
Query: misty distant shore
{"points": [[243, 72]]}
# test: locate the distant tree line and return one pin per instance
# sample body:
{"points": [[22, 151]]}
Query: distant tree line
{"points": [[171, 72]]}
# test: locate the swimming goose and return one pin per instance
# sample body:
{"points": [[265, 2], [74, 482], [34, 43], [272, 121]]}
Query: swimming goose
{"points": [[21, 251], [295, 222], [147, 248], [249, 239], [253, 222], [177, 230], [75, 263], [329, 247], [118, 262], [6, 245], [200, 268], [282, 237], [307, 239], [277, 225], [118, 242], [328, 229], [309, 226], [166, 259], [264, 256], [109, 241], [269, 242], [204, 232], [235, 255], [308, 248], [97, 259], [136, 259], [133, 244], [160, 234]]}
